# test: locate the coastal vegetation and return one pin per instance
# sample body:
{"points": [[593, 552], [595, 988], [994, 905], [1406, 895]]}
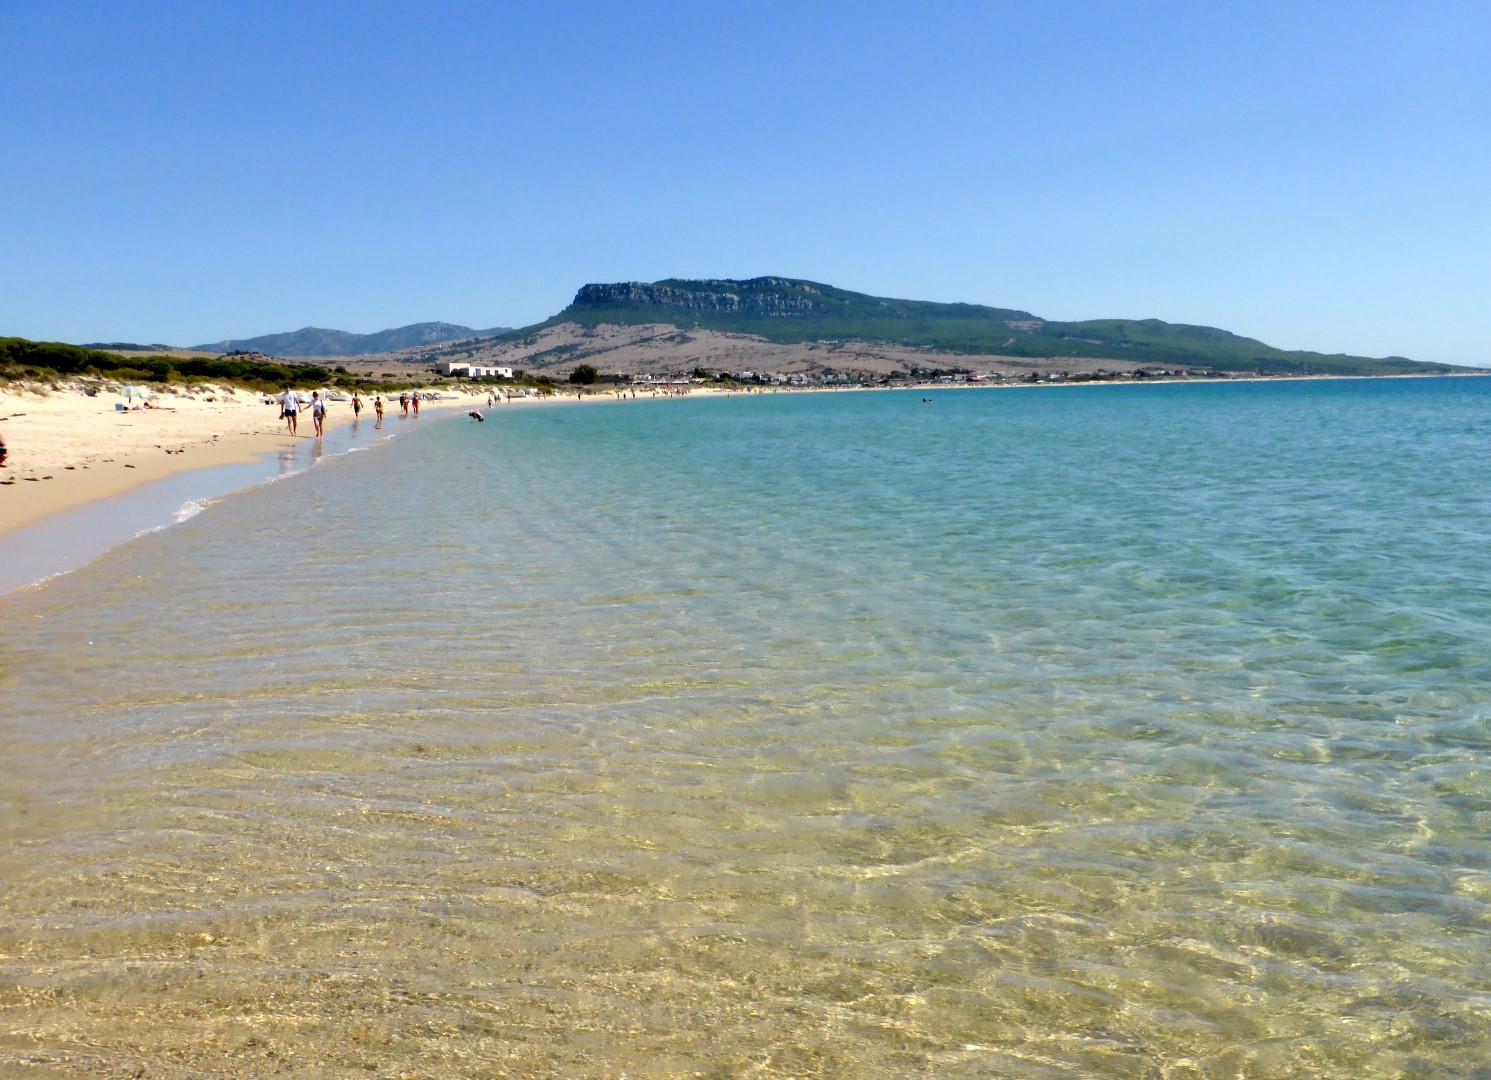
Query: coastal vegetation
{"points": [[786, 310], [47, 360], [40, 363]]}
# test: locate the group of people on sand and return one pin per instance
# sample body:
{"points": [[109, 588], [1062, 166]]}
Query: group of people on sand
{"points": [[497, 397], [293, 403], [377, 407]]}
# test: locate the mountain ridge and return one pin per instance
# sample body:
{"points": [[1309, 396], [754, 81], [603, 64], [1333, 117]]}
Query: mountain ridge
{"points": [[791, 310], [318, 341]]}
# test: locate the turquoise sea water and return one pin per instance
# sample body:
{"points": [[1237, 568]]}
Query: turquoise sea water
{"points": [[1099, 731]]}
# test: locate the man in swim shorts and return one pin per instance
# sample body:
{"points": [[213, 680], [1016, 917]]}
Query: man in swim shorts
{"points": [[289, 408]]}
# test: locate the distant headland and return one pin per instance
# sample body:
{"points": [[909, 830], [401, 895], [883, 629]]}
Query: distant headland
{"points": [[789, 311], [799, 331], [805, 331]]}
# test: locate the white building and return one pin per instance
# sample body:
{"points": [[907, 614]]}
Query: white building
{"points": [[476, 371]]}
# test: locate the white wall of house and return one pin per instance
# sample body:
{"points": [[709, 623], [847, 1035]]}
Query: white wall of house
{"points": [[476, 371]]}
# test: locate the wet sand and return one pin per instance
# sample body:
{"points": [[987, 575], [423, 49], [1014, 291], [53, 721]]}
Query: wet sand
{"points": [[68, 449]]}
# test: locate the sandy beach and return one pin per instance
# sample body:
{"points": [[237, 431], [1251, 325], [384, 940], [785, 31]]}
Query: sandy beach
{"points": [[67, 449]]}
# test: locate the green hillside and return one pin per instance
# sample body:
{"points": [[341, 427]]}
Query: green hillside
{"points": [[789, 310]]}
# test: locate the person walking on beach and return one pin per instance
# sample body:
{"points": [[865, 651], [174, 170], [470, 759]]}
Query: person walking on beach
{"points": [[356, 405], [318, 413], [414, 400], [404, 405], [290, 408], [378, 409]]}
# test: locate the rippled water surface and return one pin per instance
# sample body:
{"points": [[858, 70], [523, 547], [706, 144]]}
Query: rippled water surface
{"points": [[1105, 731]]}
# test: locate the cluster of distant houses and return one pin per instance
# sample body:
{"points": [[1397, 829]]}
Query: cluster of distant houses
{"points": [[469, 370]]}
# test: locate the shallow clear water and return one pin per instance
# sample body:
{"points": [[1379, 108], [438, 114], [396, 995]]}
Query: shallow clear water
{"points": [[1088, 731], [65, 541]]}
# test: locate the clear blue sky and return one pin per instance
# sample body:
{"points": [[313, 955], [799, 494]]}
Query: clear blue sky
{"points": [[1316, 174]]}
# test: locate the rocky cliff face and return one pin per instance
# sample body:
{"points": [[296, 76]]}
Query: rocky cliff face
{"points": [[760, 296], [788, 310]]}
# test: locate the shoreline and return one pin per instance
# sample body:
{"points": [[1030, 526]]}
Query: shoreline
{"points": [[68, 450], [61, 456], [104, 476]]}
